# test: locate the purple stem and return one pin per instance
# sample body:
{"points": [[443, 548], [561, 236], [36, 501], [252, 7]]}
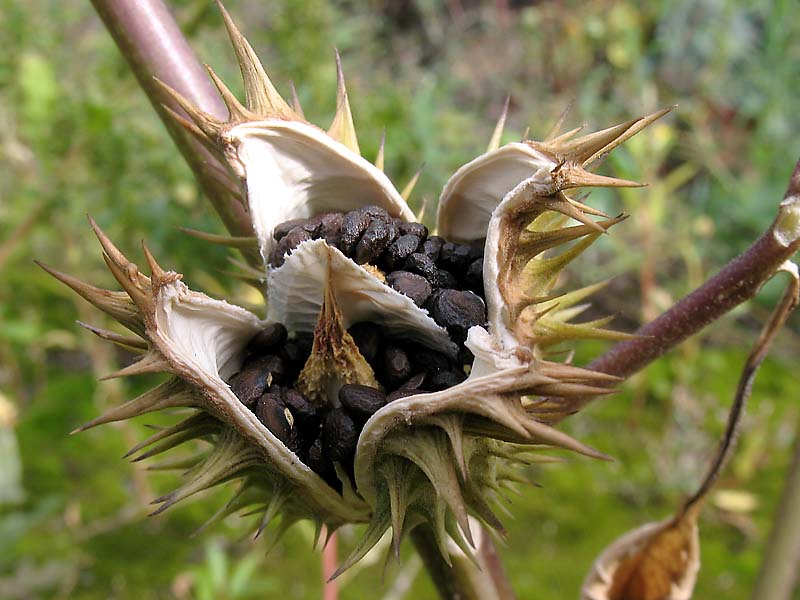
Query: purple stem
{"points": [[150, 40], [738, 281]]}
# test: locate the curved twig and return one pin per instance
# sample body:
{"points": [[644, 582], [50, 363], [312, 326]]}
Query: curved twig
{"points": [[738, 281]]}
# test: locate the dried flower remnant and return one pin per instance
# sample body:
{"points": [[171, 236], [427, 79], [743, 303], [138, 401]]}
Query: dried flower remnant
{"points": [[398, 377], [660, 561]]}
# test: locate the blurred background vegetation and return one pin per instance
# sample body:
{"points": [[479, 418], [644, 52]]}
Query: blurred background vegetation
{"points": [[77, 136]]}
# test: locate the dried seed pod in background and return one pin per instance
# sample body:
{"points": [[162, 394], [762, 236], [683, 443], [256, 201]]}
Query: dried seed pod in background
{"points": [[660, 561]]}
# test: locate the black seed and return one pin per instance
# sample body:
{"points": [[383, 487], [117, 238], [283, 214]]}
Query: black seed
{"points": [[273, 365], [339, 435], [249, 383], [295, 353], [454, 257], [399, 250], [474, 276], [445, 379], [283, 228], [417, 229], [321, 465], [361, 400], [287, 244], [396, 365], [476, 248], [315, 459], [421, 265], [465, 356], [446, 280], [429, 360], [412, 285], [276, 417], [375, 240], [375, 212], [306, 415], [268, 339], [314, 224], [302, 409], [432, 246], [353, 226], [457, 311], [330, 227], [367, 337], [414, 383], [397, 394]]}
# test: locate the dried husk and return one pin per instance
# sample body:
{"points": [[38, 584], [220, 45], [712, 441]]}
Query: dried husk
{"points": [[437, 457], [657, 561]]}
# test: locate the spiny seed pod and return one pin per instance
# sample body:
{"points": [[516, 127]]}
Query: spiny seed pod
{"points": [[424, 456]]}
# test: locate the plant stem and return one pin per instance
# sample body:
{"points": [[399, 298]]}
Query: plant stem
{"points": [[779, 567], [464, 580], [150, 40], [738, 281], [330, 589]]}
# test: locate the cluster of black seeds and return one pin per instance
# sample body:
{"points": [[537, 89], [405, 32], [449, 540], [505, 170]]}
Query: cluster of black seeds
{"points": [[323, 435], [415, 264], [444, 278]]}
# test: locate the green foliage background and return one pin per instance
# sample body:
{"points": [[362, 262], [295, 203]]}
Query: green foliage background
{"points": [[77, 136]]}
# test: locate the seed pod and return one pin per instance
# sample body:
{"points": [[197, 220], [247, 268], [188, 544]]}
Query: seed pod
{"points": [[375, 240], [413, 451], [396, 366], [272, 337], [361, 400], [339, 435], [412, 285]]}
